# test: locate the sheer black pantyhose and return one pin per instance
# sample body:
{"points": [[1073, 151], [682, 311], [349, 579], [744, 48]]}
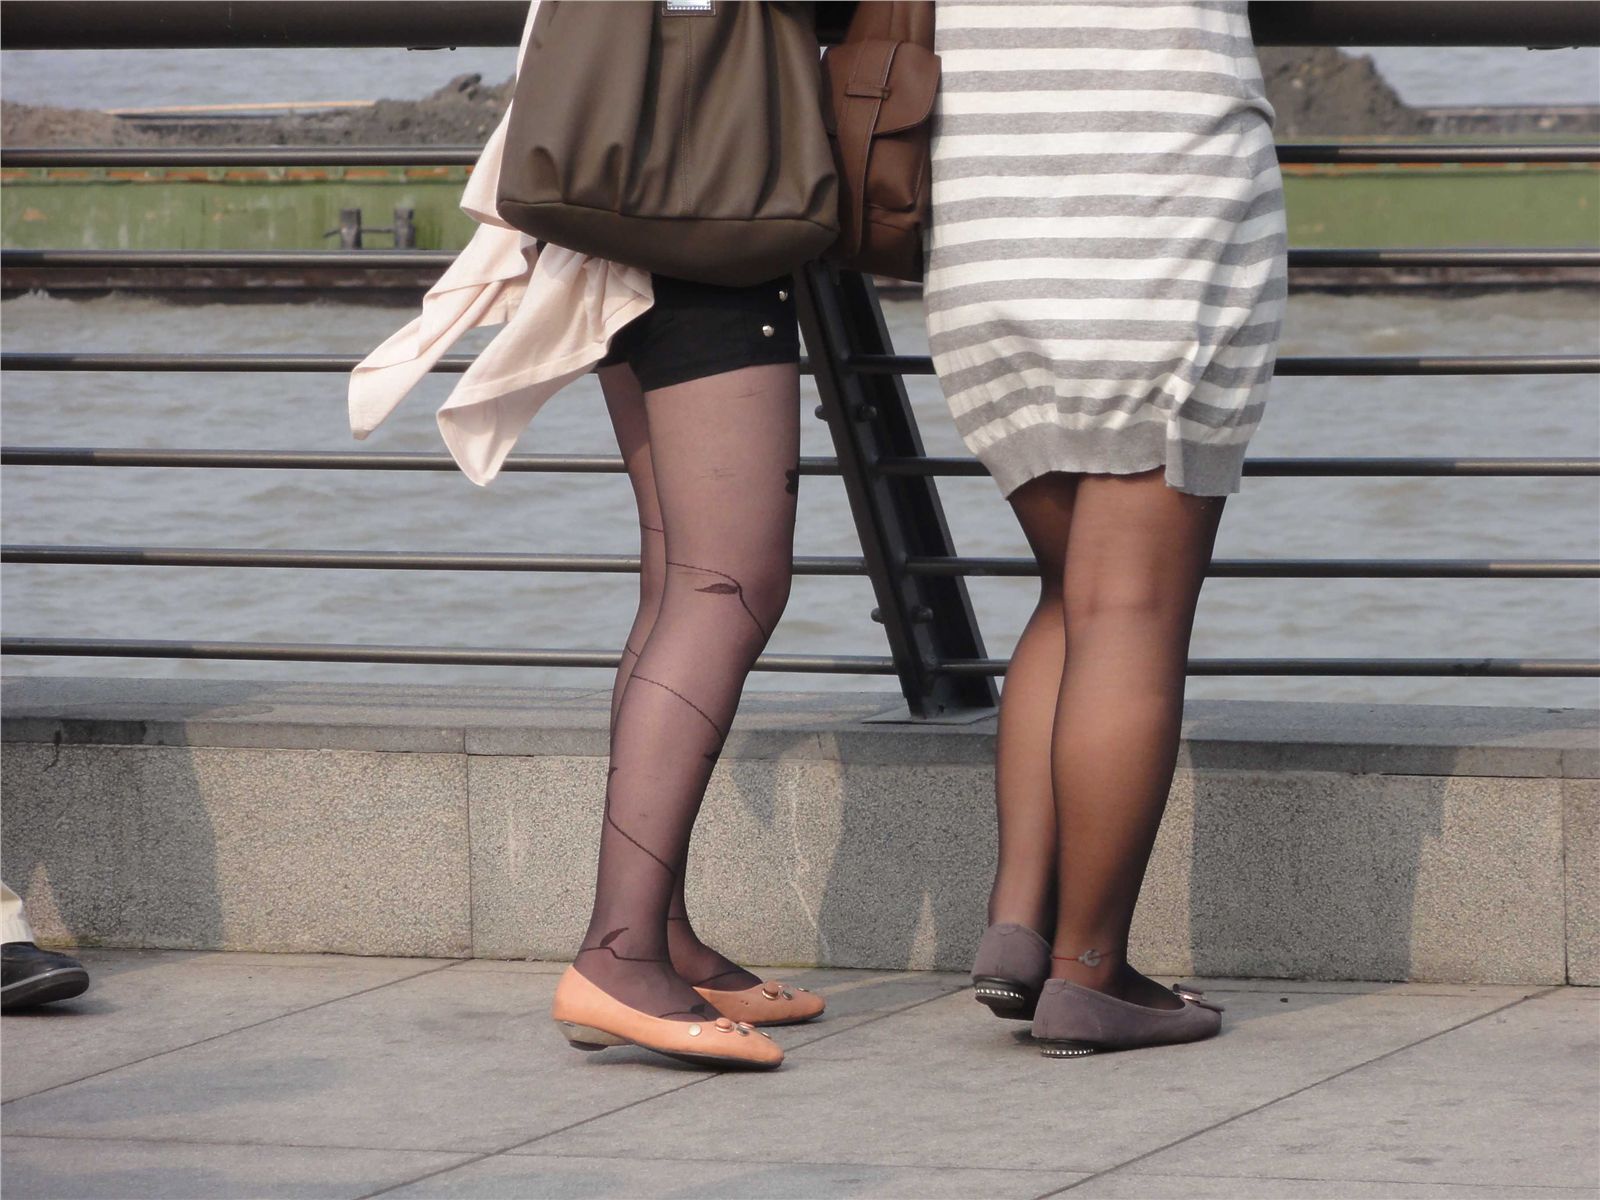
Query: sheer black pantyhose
{"points": [[712, 464], [1091, 710]]}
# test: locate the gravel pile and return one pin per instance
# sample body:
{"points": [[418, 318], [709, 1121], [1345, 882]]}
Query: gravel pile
{"points": [[462, 113], [1321, 90]]}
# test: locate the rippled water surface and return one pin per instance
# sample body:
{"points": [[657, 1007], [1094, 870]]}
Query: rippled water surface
{"points": [[1271, 517]]}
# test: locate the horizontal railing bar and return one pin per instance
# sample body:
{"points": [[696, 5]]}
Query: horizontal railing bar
{"points": [[410, 260], [1504, 668], [367, 560], [1434, 152], [1308, 366], [421, 260], [37, 157], [1444, 256], [1299, 568], [321, 460], [600, 464], [1300, 467], [217, 24], [866, 364], [188, 24], [436, 655], [831, 565], [449, 364], [816, 663]]}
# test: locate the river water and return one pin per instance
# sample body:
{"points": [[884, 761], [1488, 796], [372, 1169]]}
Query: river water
{"points": [[1271, 517], [1413, 518]]}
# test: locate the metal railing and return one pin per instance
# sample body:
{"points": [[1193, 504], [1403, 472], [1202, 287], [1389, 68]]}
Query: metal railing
{"points": [[918, 581]]}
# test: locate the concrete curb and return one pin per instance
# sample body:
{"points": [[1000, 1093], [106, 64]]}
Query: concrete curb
{"points": [[1322, 841]]}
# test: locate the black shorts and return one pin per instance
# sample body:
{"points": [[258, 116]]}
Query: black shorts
{"points": [[698, 329]]}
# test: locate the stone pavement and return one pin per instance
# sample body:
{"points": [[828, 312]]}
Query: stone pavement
{"points": [[243, 1075]]}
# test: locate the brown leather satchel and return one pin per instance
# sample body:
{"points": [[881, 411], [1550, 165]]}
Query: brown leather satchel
{"points": [[682, 137], [879, 86]]}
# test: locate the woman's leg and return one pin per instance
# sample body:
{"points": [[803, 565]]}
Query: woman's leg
{"points": [[722, 451], [691, 958], [625, 404], [1024, 882], [1136, 557]]}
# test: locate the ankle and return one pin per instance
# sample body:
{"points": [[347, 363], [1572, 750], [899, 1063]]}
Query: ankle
{"points": [[1094, 968], [1015, 906], [1025, 917], [700, 964]]}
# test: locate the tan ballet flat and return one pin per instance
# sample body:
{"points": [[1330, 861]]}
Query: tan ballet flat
{"points": [[590, 1019], [767, 1003]]}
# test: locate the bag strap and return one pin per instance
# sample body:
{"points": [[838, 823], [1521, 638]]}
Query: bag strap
{"points": [[864, 93], [896, 20], [912, 22]]}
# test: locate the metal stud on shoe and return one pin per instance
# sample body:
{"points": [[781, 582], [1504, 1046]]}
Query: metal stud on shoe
{"points": [[767, 331], [694, 1031], [724, 1025], [1065, 1049]]}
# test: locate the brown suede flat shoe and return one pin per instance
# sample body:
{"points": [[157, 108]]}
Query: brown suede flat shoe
{"points": [[590, 1019], [1010, 967], [1073, 1021], [767, 1003]]}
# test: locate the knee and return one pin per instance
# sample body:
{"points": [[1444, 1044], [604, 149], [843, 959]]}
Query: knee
{"points": [[1124, 600], [766, 592], [748, 597], [652, 582]]}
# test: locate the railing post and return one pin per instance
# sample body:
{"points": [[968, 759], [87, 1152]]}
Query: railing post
{"points": [[928, 620], [405, 228], [349, 229]]}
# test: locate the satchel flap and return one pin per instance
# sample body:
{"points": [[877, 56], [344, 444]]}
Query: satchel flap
{"points": [[912, 86]]}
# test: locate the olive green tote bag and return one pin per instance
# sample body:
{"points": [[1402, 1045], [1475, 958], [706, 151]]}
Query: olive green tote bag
{"points": [[682, 137]]}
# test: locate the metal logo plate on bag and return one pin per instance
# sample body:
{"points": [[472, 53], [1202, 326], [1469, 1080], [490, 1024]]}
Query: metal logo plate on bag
{"points": [[688, 8]]}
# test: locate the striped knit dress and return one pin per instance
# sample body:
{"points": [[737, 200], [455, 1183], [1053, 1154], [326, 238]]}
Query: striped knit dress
{"points": [[1106, 272]]}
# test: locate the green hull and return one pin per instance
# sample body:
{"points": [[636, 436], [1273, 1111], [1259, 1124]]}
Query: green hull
{"points": [[1497, 204]]}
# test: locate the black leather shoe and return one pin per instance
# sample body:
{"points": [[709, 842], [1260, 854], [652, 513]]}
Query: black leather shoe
{"points": [[30, 976]]}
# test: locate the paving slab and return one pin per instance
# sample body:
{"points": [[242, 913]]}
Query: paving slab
{"points": [[1200, 1187], [1507, 1099], [84, 1169], [435, 1062], [857, 997], [506, 1177], [944, 1084], [462, 1058], [314, 1075], [145, 1002]]}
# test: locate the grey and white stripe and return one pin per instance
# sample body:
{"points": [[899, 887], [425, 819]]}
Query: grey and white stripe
{"points": [[1106, 268]]}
